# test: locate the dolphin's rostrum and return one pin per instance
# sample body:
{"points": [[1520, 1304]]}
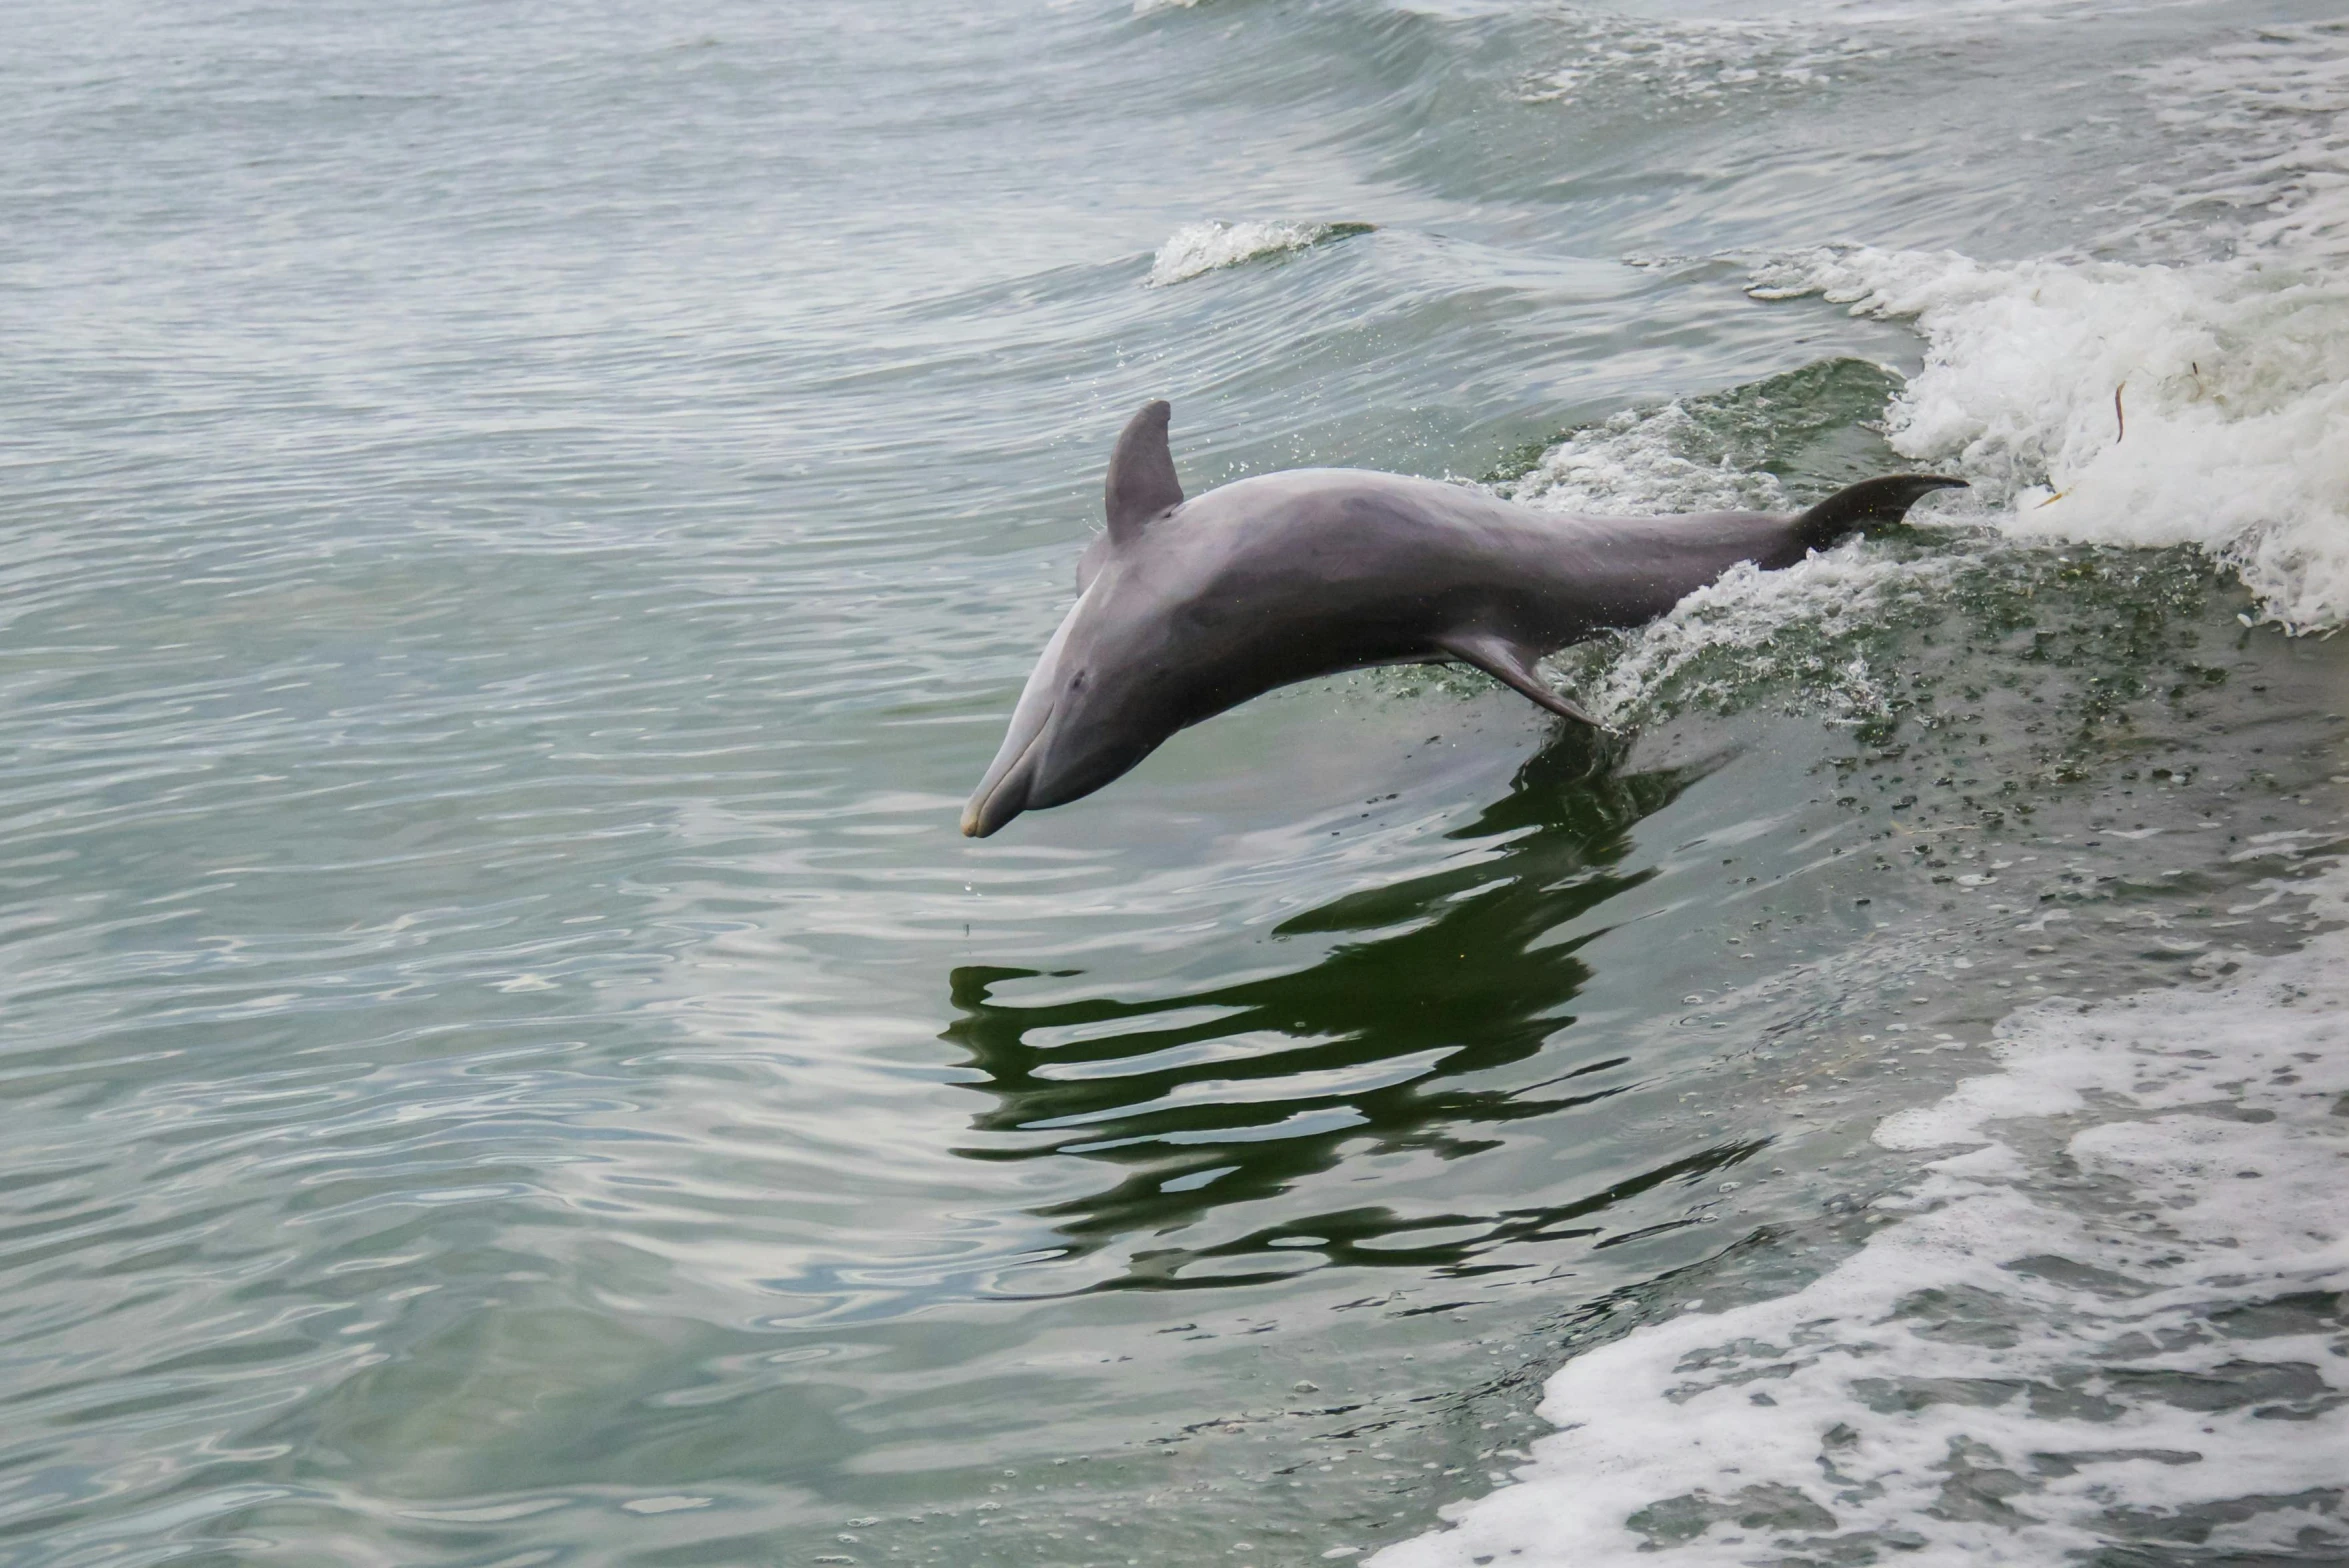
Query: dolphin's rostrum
{"points": [[1186, 608]]}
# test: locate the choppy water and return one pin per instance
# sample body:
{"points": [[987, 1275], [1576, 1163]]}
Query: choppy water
{"points": [[519, 525]]}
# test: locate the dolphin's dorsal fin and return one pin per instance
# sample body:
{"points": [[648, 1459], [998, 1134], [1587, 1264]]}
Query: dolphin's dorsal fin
{"points": [[1511, 664], [1141, 482]]}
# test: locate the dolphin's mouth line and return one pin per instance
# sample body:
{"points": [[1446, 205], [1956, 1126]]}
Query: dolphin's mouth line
{"points": [[974, 814]]}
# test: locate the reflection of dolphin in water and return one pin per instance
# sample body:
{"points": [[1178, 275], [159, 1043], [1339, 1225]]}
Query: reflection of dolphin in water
{"points": [[1438, 1017], [1186, 608]]}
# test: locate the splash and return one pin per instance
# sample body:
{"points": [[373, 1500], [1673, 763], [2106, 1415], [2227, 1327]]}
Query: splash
{"points": [[1810, 627], [1807, 627]]}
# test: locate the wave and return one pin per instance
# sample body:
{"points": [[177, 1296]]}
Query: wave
{"points": [[2112, 1324], [1199, 248]]}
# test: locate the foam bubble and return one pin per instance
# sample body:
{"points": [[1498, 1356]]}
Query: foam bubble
{"points": [[2113, 1323], [1198, 248]]}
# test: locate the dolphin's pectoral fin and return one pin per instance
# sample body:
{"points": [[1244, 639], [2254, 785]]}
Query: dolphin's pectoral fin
{"points": [[1141, 483], [1512, 665]]}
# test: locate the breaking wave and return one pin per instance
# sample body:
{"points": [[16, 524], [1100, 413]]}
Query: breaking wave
{"points": [[2112, 403], [1199, 248]]}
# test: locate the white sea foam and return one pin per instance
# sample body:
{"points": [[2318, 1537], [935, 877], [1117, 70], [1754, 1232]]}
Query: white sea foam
{"points": [[2113, 1322], [1198, 248], [2203, 404]]}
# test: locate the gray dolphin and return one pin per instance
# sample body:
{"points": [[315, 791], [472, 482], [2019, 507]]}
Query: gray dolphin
{"points": [[1186, 608]]}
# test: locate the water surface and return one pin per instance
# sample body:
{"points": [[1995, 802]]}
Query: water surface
{"points": [[522, 524]]}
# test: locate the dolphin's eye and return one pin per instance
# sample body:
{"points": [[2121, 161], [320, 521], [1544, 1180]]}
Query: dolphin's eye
{"points": [[1076, 682]]}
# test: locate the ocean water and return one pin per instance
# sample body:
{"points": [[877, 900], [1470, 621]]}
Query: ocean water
{"points": [[519, 525]]}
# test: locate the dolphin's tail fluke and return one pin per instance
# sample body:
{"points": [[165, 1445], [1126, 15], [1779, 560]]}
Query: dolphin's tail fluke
{"points": [[1867, 506]]}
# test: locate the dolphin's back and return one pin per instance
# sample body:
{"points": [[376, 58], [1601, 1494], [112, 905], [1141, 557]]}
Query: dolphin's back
{"points": [[1419, 558]]}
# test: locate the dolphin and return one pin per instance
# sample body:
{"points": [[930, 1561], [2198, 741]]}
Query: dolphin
{"points": [[1188, 607]]}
